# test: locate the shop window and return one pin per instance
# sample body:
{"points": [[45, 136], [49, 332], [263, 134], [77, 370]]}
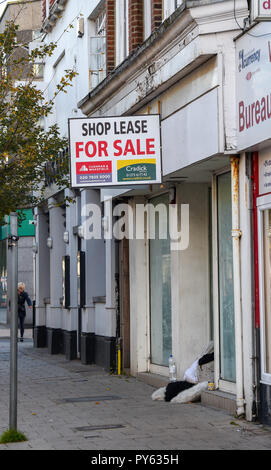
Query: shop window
{"points": [[38, 71], [122, 30], [160, 287], [225, 279], [266, 318]]}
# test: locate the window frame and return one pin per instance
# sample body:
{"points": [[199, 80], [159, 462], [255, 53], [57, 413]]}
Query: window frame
{"points": [[122, 26], [98, 30], [263, 203]]}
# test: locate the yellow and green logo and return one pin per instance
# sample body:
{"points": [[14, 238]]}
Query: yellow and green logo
{"points": [[136, 170]]}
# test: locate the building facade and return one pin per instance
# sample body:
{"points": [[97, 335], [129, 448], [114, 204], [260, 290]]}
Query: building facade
{"points": [[254, 113], [181, 299], [147, 298]]}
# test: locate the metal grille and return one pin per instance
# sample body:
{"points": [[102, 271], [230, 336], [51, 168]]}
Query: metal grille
{"points": [[99, 428], [87, 399]]}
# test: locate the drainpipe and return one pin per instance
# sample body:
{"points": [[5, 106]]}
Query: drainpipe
{"points": [[236, 234]]}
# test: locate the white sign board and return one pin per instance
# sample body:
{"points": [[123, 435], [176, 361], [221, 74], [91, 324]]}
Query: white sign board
{"points": [[262, 10], [253, 72], [115, 151], [265, 171], [181, 149]]}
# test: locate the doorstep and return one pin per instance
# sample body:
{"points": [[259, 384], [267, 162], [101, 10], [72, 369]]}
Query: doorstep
{"points": [[221, 400], [155, 380]]}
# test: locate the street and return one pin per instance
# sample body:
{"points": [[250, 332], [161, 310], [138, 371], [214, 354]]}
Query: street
{"points": [[65, 405]]}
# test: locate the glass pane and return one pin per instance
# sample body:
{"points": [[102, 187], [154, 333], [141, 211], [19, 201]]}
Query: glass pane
{"points": [[267, 289], [226, 295], [160, 291], [97, 64], [97, 52]]}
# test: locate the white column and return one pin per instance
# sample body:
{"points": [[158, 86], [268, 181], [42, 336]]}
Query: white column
{"points": [[42, 273], [70, 318], [56, 253], [236, 234], [139, 301], [246, 208], [95, 260], [110, 268]]}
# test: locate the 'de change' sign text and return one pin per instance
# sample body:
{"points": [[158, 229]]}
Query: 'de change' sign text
{"points": [[115, 151]]}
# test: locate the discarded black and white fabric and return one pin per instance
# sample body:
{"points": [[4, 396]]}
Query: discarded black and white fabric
{"points": [[173, 388], [190, 388], [190, 395], [206, 359], [159, 394], [180, 392]]}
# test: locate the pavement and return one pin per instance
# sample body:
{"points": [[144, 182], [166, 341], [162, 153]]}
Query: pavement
{"points": [[65, 405]]}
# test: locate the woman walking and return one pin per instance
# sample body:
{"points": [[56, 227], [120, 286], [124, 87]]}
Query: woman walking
{"points": [[22, 298]]}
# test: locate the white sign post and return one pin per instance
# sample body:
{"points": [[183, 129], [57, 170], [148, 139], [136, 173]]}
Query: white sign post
{"points": [[115, 151]]}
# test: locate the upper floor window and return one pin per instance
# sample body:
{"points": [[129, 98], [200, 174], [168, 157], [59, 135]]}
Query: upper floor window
{"points": [[97, 67], [147, 18], [169, 6], [122, 31], [38, 71], [100, 24]]}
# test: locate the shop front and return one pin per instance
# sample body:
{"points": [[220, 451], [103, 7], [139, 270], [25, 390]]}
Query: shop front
{"points": [[263, 265], [182, 299], [254, 134]]}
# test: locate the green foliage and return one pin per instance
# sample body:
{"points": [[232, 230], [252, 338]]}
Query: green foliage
{"points": [[25, 147], [12, 435]]}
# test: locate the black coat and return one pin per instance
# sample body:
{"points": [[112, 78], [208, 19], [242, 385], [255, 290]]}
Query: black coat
{"points": [[22, 298]]}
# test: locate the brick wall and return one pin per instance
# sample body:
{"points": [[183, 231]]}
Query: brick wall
{"points": [[51, 2], [156, 13], [43, 10], [136, 23], [110, 35]]}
